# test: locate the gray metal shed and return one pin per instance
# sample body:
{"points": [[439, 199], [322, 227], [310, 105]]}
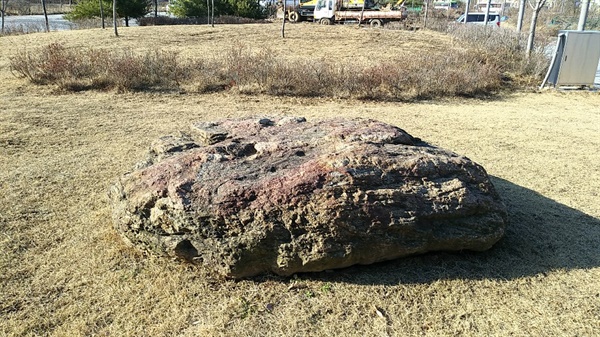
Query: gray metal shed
{"points": [[576, 58]]}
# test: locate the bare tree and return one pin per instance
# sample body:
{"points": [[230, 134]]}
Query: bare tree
{"points": [[467, 5], [2, 10], [539, 4], [212, 16], [115, 17], [283, 24], [102, 14], [155, 8], [45, 16]]}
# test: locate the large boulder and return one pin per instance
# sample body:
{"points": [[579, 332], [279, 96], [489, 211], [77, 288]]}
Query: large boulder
{"points": [[284, 195]]}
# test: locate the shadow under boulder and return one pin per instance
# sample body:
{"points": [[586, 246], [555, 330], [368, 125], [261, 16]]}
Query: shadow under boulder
{"points": [[251, 196]]}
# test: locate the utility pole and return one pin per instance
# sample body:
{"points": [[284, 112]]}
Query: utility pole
{"points": [[585, 6], [521, 14], [487, 12], [426, 12]]}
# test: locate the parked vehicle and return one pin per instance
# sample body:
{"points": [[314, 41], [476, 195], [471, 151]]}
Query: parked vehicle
{"points": [[479, 19], [332, 11], [303, 10], [496, 6], [445, 4]]}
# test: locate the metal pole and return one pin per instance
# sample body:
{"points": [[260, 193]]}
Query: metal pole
{"points": [[487, 12], [426, 11], [585, 6], [521, 14]]}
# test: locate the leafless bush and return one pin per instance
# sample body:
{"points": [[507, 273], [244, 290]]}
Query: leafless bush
{"points": [[19, 29], [249, 71], [98, 69], [504, 48], [449, 73], [90, 23]]}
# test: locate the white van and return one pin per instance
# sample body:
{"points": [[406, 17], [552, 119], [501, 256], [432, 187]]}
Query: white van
{"points": [[479, 19]]}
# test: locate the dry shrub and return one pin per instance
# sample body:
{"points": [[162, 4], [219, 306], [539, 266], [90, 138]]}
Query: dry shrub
{"points": [[505, 48], [206, 75], [450, 73], [52, 64], [154, 69], [98, 69], [19, 29], [262, 71]]}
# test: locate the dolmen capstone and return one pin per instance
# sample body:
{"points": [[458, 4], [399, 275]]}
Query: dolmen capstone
{"points": [[285, 195]]}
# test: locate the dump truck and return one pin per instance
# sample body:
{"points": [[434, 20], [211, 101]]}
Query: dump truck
{"points": [[328, 12], [303, 10]]}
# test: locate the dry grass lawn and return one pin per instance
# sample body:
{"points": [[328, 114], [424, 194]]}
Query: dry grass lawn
{"points": [[65, 272]]}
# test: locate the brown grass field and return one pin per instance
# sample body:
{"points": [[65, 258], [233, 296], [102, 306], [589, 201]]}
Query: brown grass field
{"points": [[65, 272]]}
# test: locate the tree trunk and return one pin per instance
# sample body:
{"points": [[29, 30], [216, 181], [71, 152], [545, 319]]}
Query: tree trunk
{"points": [[2, 13], [534, 16], [283, 23], [208, 12], [115, 17], [126, 21], [102, 14], [155, 8], [521, 14], [45, 16], [467, 5], [212, 15]]}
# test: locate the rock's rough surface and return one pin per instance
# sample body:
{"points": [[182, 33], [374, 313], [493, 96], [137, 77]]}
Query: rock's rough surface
{"points": [[250, 196]]}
